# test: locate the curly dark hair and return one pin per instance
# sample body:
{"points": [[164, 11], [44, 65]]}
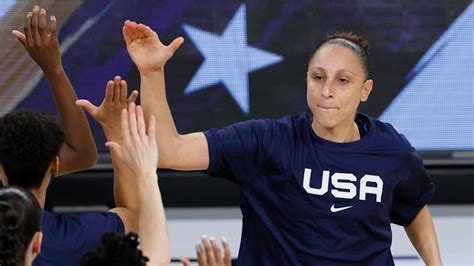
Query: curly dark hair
{"points": [[357, 43], [116, 251], [29, 142], [20, 219]]}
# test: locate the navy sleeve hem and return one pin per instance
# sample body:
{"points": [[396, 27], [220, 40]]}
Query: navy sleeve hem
{"points": [[414, 212], [211, 145]]}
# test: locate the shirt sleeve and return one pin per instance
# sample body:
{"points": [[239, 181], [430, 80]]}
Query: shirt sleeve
{"points": [[413, 193], [238, 152], [87, 229]]}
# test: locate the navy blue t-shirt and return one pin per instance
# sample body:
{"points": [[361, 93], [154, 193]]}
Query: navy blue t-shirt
{"points": [[309, 201], [66, 238]]}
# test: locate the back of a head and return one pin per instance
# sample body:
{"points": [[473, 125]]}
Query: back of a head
{"points": [[29, 142], [20, 219], [117, 251]]}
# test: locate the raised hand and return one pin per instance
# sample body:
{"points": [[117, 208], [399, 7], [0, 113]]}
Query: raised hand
{"points": [[109, 112], [146, 49], [41, 41], [211, 254], [137, 151]]}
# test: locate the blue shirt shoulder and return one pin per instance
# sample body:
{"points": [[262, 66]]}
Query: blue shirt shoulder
{"points": [[66, 238]]}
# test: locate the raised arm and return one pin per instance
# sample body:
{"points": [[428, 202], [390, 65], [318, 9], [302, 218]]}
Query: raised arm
{"points": [[422, 235], [139, 154], [108, 115], [180, 152], [79, 150]]}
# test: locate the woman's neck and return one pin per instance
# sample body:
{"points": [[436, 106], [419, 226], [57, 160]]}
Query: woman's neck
{"points": [[344, 132], [40, 195]]}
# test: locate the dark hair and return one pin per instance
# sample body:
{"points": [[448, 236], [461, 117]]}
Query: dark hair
{"points": [[116, 250], [358, 44], [29, 142], [20, 219]]}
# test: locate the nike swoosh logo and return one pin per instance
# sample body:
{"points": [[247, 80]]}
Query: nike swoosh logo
{"points": [[335, 209]]}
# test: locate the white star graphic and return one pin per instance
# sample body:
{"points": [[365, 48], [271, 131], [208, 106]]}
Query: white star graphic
{"points": [[228, 59]]}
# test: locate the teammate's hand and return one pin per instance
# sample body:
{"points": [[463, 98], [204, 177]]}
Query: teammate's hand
{"points": [[137, 151], [108, 114], [41, 41], [211, 254], [146, 49]]}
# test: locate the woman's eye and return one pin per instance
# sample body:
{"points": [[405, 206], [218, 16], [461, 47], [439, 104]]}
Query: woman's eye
{"points": [[343, 80], [318, 77]]}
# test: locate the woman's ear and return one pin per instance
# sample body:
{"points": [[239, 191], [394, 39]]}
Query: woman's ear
{"points": [[37, 240], [3, 177], [55, 166], [366, 89]]}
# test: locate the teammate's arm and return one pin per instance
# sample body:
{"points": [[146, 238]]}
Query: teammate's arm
{"points": [[422, 235], [79, 150], [181, 152], [138, 153], [108, 115]]}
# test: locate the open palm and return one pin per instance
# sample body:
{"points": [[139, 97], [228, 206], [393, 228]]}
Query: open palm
{"points": [[146, 49]]}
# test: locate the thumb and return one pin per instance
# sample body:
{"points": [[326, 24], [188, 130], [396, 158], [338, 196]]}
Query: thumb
{"points": [[88, 106], [185, 261], [20, 36], [114, 148], [176, 43]]}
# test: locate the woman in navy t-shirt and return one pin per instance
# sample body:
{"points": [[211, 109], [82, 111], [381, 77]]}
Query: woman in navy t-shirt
{"points": [[314, 190]]}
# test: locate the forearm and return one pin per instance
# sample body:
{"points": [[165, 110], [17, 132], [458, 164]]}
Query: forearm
{"points": [[125, 189], [152, 226], [154, 102], [79, 148], [422, 234], [125, 185]]}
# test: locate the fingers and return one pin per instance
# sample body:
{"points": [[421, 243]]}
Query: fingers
{"points": [[152, 130], [42, 25], [185, 261], [141, 123], [20, 36], [117, 80], [201, 256], [131, 29], [124, 125], [133, 97], [27, 28], [211, 259], [123, 91], [126, 35], [35, 27], [227, 258], [142, 31], [109, 91], [132, 121], [216, 250], [88, 106], [54, 29]]}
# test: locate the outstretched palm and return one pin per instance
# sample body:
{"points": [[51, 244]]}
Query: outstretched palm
{"points": [[145, 48]]}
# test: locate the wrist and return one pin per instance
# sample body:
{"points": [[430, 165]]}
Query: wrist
{"points": [[53, 71], [147, 181], [151, 72]]}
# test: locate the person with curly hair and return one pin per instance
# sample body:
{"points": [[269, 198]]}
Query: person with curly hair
{"points": [[20, 220], [34, 148], [315, 189]]}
